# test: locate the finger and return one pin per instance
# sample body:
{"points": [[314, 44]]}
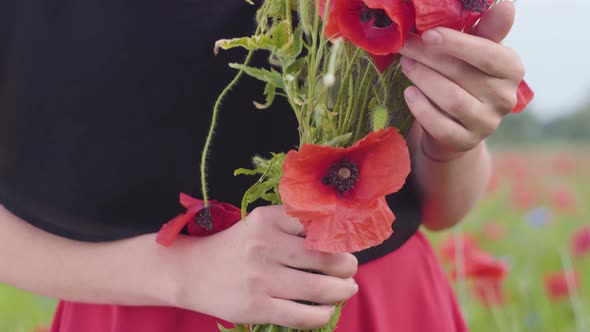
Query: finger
{"points": [[298, 316], [445, 94], [483, 54], [471, 79], [285, 222], [306, 286], [438, 125], [293, 253], [497, 22]]}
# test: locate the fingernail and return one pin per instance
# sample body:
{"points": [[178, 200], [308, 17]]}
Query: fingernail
{"points": [[410, 94], [355, 288], [333, 310], [407, 64], [432, 37]]}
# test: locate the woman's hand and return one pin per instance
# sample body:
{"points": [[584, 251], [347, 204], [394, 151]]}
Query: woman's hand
{"points": [[253, 272], [464, 84]]}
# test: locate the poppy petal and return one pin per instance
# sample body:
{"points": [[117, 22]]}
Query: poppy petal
{"points": [[524, 95], [382, 61], [189, 202], [383, 159], [301, 186], [223, 216], [169, 231], [439, 13], [331, 30], [375, 40], [350, 228]]}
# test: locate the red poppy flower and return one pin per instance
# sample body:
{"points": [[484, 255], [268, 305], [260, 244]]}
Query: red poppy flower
{"points": [[523, 196], [580, 242], [201, 221], [524, 95], [454, 246], [479, 264], [339, 193], [559, 285], [563, 199], [489, 291], [380, 27], [454, 14]]}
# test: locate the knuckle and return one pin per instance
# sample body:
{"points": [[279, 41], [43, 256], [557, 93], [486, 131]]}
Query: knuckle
{"points": [[256, 250], [445, 135], [456, 102], [506, 101], [255, 283]]}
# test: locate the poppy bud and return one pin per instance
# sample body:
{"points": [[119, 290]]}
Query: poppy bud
{"points": [[307, 15], [380, 118]]}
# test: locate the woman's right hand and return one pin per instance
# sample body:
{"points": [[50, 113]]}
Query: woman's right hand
{"points": [[255, 271]]}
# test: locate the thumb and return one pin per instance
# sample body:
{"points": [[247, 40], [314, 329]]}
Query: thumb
{"points": [[497, 22]]}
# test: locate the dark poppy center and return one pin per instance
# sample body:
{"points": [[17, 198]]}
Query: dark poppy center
{"points": [[203, 219], [377, 16], [478, 6], [342, 176]]}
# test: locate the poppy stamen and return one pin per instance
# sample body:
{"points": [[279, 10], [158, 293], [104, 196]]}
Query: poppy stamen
{"points": [[203, 219], [478, 6], [377, 17], [342, 176]]}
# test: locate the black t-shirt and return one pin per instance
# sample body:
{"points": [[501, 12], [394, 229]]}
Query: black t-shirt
{"points": [[105, 104]]}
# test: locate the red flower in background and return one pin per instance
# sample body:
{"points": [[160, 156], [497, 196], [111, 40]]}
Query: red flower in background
{"points": [[454, 14], [454, 246], [523, 196], [481, 265], [558, 284], [201, 221], [380, 27], [563, 199], [339, 193], [489, 291], [580, 242]]}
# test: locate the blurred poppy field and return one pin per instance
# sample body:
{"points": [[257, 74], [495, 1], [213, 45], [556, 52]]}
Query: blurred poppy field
{"points": [[519, 262]]}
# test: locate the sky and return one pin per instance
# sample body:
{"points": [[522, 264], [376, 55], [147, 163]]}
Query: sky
{"points": [[553, 39]]}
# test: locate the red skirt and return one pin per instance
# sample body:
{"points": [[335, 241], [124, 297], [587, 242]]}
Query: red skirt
{"points": [[404, 291]]}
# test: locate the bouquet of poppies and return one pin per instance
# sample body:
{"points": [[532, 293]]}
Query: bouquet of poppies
{"points": [[336, 63]]}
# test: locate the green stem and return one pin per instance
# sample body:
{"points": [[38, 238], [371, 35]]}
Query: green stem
{"points": [[212, 127]]}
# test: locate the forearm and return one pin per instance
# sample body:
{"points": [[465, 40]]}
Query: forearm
{"points": [[130, 272], [451, 188]]}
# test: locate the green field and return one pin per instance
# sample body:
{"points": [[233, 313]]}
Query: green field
{"points": [[532, 245]]}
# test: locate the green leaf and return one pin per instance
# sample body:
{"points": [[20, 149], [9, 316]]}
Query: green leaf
{"points": [[238, 328], [331, 326], [245, 171], [270, 92], [269, 76]]}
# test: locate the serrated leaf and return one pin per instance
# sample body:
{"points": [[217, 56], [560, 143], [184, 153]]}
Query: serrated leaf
{"points": [[265, 75], [245, 171], [282, 35], [270, 92], [249, 43]]}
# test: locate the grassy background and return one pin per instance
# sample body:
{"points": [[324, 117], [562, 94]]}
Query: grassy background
{"points": [[530, 251]]}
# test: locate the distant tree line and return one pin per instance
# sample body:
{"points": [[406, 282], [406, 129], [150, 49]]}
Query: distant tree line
{"points": [[527, 128]]}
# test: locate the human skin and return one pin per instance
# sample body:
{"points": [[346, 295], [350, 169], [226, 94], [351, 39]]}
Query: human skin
{"points": [[451, 164], [463, 87]]}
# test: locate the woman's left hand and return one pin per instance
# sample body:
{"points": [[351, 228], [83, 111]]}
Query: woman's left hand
{"points": [[464, 84]]}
